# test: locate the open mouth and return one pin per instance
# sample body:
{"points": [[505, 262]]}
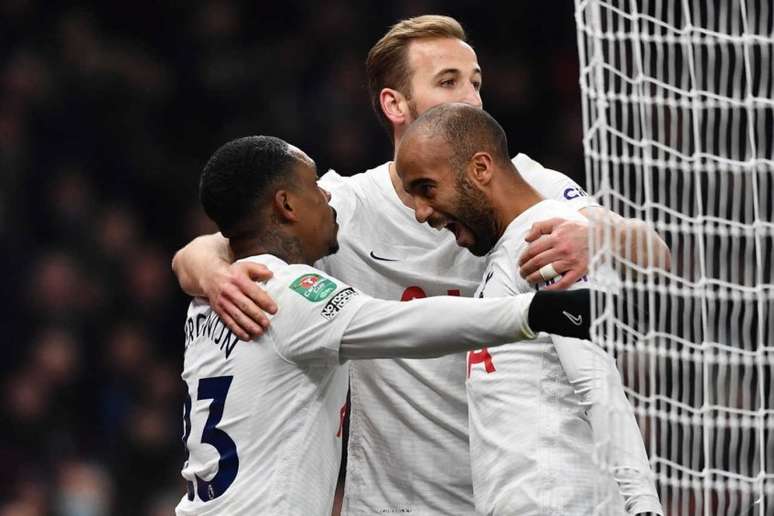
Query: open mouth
{"points": [[455, 228]]}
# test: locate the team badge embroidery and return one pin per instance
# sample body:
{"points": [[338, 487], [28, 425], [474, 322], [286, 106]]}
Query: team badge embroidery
{"points": [[313, 287]]}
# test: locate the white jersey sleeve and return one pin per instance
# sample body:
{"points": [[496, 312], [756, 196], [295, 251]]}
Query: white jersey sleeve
{"points": [[583, 374], [322, 308], [427, 328], [551, 184], [530, 442]]}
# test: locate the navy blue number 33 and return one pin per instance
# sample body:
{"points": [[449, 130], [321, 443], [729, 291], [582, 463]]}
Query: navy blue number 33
{"points": [[215, 389]]}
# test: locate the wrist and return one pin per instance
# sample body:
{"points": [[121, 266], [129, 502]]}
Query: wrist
{"points": [[524, 302], [565, 313]]}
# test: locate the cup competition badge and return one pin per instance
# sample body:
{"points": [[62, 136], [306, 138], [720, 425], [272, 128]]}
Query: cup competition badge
{"points": [[313, 287]]}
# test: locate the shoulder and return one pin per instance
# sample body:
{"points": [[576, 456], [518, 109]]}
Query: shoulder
{"points": [[314, 311], [356, 184], [551, 184], [500, 276], [551, 208], [349, 192], [300, 282]]}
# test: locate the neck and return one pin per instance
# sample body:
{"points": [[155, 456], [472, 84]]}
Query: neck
{"points": [[274, 242], [398, 185], [405, 198], [511, 196]]}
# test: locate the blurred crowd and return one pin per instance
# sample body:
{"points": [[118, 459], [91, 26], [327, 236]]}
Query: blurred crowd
{"points": [[107, 113]]}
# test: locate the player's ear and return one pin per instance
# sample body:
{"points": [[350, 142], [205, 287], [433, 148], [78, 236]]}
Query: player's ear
{"points": [[284, 207], [481, 168], [394, 106]]}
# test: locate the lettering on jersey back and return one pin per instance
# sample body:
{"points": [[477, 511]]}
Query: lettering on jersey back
{"points": [[212, 327], [479, 356]]}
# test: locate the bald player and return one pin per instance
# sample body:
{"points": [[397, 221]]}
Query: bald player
{"points": [[529, 408], [263, 419]]}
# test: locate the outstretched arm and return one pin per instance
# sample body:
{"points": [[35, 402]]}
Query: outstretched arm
{"points": [[431, 327], [204, 268], [564, 244]]}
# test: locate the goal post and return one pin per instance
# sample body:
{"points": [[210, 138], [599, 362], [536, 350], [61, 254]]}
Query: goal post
{"points": [[678, 115]]}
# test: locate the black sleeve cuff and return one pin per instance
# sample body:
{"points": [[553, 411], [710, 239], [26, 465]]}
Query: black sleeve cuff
{"points": [[565, 313]]}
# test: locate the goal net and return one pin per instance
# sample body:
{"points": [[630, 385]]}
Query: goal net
{"points": [[678, 113]]}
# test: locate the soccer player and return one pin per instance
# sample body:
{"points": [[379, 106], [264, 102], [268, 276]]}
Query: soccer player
{"points": [[454, 163], [408, 447], [262, 420]]}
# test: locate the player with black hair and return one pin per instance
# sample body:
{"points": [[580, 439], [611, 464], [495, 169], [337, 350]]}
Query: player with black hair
{"points": [[262, 419], [408, 445]]}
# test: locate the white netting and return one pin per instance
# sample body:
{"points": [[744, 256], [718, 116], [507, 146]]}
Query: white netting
{"points": [[678, 112]]}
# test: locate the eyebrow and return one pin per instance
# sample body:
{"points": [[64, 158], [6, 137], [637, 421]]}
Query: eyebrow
{"points": [[456, 71]]}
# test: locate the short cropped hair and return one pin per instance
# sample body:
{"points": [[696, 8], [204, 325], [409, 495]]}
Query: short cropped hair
{"points": [[387, 63], [236, 179], [467, 130]]}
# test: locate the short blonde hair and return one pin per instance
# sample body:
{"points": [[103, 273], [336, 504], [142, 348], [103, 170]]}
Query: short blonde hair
{"points": [[387, 63]]}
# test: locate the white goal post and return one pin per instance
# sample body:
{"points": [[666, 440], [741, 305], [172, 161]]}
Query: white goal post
{"points": [[678, 114]]}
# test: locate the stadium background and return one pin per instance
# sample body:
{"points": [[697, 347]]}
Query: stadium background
{"points": [[107, 114]]}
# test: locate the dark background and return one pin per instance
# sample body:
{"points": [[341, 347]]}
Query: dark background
{"points": [[108, 112]]}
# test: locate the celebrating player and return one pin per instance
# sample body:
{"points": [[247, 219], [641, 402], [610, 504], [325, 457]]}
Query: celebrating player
{"points": [[454, 163], [408, 447], [262, 421]]}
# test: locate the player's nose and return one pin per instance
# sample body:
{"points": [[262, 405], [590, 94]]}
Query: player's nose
{"points": [[422, 211], [326, 193], [473, 96]]}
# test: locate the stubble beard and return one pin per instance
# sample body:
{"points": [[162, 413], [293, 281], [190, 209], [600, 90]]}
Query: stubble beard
{"points": [[475, 211]]}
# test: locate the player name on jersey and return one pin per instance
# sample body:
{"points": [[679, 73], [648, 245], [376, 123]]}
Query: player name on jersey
{"points": [[213, 328]]}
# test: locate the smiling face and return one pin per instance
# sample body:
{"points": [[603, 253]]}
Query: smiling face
{"points": [[445, 197], [442, 70]]}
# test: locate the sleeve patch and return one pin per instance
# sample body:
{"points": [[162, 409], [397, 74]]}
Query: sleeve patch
{"points": [[313, 287], [337, 302]]}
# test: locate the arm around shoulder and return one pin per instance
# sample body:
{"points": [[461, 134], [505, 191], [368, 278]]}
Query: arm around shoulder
{"points": [[197, 262], [632, 238], [204, 269]]}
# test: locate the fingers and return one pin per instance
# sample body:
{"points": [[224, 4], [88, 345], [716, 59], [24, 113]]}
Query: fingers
{"points": [[560, 266], [236, 321], [250, 309], [531, 270], [259, 300], [569, 277], [544, 227], [257, 271], [538, 246]]}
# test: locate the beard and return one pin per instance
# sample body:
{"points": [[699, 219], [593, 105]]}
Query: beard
{"points": [[476, 212]]}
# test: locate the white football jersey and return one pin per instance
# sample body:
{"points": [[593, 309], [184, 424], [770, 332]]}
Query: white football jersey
{"points": [[408, 441], [530, 441], [263, 419]]}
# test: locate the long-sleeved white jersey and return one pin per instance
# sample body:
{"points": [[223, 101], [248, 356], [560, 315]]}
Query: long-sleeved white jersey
{"points": [[263, 419], [408, 442], [532, 436]]}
